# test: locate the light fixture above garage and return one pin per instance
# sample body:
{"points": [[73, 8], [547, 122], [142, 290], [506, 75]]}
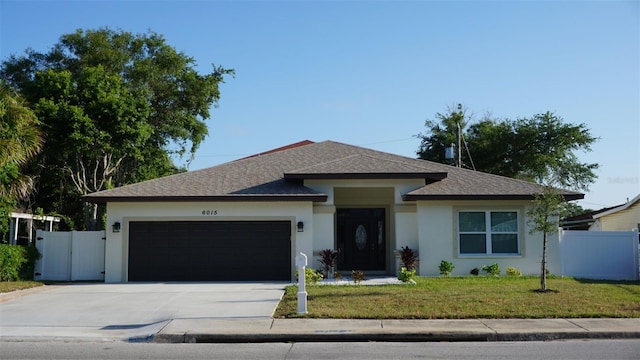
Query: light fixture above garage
{"points": [[300, 226], [115, 227]]}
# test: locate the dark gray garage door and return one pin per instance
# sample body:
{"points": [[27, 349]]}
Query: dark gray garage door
{"points": [[209, 251]]}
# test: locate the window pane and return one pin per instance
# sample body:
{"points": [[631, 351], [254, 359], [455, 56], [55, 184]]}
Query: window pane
{"points": [[504, 221], [504, 243], [471, 222], [473, 244]]}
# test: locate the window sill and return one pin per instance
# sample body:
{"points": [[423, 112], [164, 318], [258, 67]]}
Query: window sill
{"points": [[489, 256]]}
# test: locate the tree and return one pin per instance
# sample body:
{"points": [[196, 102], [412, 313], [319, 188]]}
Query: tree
{"points": [[98, 123], [20, 140], [116, 108], [525, 148], [539, 149], [548, 207]]}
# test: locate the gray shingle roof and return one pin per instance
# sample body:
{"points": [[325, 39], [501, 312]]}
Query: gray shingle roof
{"points": [[278, 175]]}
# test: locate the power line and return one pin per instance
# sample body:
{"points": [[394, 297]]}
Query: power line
{"points": [[387, 141]]}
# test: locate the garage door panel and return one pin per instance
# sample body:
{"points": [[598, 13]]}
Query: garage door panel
{"points": [[209, 251]]}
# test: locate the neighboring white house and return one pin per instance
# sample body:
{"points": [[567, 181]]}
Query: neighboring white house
{"points": [[247, 219], [620, 218]]}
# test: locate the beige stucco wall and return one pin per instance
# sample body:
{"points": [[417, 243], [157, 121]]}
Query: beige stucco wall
{"points": [[437, 232], [406, 232], [116, 249], [323, 231]]}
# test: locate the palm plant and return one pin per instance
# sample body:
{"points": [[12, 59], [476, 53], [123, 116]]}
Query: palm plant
{"points": [[328, 260]]}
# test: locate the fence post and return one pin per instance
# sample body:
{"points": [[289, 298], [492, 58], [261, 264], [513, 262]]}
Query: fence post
{"points": [[562, 251], [635, 242]]}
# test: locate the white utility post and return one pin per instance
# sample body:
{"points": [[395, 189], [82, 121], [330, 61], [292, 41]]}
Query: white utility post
{"points": [[301, 264]]}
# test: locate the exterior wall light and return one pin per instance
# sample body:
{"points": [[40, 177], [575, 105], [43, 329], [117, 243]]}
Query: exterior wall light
{"points": [[300, 226], [116, 227]]}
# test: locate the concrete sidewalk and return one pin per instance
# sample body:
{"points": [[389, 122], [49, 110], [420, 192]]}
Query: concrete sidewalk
{"points": [[210, 312], [322, 330]]}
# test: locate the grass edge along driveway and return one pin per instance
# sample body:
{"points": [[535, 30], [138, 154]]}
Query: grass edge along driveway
{"points": [[469, 297]]}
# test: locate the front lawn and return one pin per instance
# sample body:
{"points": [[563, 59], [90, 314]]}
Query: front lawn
{"points": [[8, 286], [469, 297]]}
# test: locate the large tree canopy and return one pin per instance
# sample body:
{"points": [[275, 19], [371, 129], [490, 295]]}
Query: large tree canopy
{"points": [[528, 148], [541, 149], [115, 107]]}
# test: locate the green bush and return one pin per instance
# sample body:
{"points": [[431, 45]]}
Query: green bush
{"points": [[406, 275], [475, 271], [511, 271], [493, 269], [311, 276], [446, 267], [17, 262], [32, 254]]}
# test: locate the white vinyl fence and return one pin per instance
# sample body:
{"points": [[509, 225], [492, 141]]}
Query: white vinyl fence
{"points": [[70, 255], [605, 255]]}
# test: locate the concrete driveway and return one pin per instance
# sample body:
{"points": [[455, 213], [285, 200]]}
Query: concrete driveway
{"points": [[130, 311]]}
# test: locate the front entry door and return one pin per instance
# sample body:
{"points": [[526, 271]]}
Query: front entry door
{"points": [[361, 239]]}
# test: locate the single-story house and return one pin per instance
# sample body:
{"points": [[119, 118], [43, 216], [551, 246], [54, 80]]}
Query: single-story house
{"points": [[623, 217], [248, 219]]}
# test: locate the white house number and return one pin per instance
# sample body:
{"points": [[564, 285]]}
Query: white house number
{"points": [[209, 212]]}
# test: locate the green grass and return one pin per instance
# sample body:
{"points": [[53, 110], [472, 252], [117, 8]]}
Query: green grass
{"points": [[8, 286], [469, 297]]}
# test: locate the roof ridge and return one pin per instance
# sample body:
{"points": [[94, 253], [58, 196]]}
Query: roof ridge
{"points": [[399, 161], [325, 163], [278, 149]]}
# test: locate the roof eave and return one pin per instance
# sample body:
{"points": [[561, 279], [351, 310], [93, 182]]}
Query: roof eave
{"points": [[415, 197], [617, 208]]}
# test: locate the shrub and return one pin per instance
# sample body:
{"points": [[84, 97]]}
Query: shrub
{"points": [[17, 261], [511, 271], [406, 275], [357, 276], [28, 268], [328, 259], [311, 276], [408, 257], [493, 269], [338, 275], [446, 267], [475, 271]]}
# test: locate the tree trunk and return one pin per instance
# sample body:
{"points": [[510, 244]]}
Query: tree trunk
{"points": [[91, 216]]}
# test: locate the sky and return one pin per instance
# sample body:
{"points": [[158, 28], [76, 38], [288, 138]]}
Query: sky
{"points": [[370, 73]]}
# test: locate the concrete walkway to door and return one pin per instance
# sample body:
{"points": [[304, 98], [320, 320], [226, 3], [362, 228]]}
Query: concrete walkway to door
{"points": [[130, 311]]}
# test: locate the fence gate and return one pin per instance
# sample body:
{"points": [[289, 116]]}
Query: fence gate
{"points": [[70, 255], [606, 255]]}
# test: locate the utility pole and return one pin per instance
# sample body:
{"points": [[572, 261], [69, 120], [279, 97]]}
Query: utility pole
{"points": [[459, 135], [459, 147]]}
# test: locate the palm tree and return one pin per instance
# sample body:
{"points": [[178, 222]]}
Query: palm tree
{"points": [[20, 140]]}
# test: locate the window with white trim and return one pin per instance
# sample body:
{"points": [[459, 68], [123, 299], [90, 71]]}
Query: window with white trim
{"points": [[488, 233]]}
